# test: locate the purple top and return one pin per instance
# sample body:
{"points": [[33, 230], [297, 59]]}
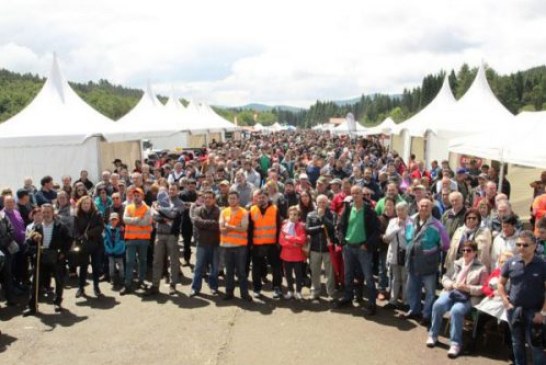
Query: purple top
{"points": [[17, 224]]}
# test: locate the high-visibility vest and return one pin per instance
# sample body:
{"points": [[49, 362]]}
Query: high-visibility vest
{"points": [[133, 232], [233, 238], [265, 226]]}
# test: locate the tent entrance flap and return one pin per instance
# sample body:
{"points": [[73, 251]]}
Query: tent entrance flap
{"points": [[128, 152]]}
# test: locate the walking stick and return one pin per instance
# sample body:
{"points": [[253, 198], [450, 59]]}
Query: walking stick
{"points": [[38, 256]]}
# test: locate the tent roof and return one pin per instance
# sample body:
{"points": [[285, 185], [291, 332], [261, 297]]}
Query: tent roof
{"points": [[56, 116], [431, 115], [385, 127], [514, 143], [216, 119], [198, 122], [343, 128]]}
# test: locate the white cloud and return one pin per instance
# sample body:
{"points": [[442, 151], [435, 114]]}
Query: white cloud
{"points": [[234, 52]]}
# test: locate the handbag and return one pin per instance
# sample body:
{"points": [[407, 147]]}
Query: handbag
{"points": [[458, 296], [400, 254], [13, 248], [49, 257], [75, 256]]}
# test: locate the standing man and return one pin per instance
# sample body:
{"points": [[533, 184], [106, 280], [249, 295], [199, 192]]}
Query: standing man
{"points": [[46, 193], [207, 239], [6, 236], [168, 219], [138, 231], [359, 235], [265, 223], [188, 196], [55, 242], [234, 245], [526, 303]]}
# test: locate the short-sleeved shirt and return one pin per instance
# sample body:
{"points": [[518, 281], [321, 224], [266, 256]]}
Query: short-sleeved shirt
{"points": [[526, 282]]}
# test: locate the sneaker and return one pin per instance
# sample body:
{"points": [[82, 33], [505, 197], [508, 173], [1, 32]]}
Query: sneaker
{"points": [[214, 292], [153, 290], [126, 290], [298, 296], [80, 293], [454, 351], [431, 341], [289, 295], [257, 294], [172, 290], [277, 293], [193, 293]]}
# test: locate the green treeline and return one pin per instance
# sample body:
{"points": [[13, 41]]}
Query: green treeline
{"points": [[523, 90]]}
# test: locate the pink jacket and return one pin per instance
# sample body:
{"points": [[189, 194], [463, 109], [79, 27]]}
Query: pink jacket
{"points": [[289, 252]]}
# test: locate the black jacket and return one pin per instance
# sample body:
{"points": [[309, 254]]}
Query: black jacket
{"points": [[6, 233], [206, 228], [371, 225], [60, 239], [313, 227], [95, 223]]}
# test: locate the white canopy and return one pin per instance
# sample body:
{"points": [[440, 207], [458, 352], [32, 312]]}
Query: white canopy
{"points": [[148, 119], [431, 116], [344, 128], [258, 127], [56, 116], [199, 122], [385, 127], [215, 119], [518, 143]]}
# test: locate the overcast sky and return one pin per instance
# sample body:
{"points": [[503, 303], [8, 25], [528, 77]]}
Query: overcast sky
{"points": [[278, 52]]}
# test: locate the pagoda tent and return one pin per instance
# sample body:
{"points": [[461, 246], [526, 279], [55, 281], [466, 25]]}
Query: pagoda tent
{"points": [[386, 127], [59, 134], [215, 119], [411, 133], [517, 142], [151, 120], [199, 125], [343, 128]]}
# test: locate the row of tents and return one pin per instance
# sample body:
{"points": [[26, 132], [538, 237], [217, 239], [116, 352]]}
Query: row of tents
{"points": [[477, 125], [59, 133]]}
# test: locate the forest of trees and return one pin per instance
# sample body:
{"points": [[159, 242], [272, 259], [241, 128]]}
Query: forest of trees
{"points": [[523, 90]]}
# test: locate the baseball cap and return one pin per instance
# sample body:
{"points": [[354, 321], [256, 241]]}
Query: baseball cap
{"points": [[114, 216]]}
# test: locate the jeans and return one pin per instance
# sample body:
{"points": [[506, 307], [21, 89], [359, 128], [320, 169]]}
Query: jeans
{"points": [[132, 247], [457, 312], [235, 260], [353, 257], [316, 259], [414, 286], [261, 253], [521, 332], [399, 275], [205, 255], [112, 262], [289, 269], [96, 267], [382, 270], [166, 244]]}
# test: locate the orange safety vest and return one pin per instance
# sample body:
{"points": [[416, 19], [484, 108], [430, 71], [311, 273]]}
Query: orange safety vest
{"points": [[233, 238], [265, 226], [133, 232]]}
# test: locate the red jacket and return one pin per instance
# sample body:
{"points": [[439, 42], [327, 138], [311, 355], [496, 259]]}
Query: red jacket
{"points": [[336, 205], [486, 289], [291, 245]]}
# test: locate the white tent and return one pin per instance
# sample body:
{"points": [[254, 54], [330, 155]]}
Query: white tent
{"points": [[216, 119], [517, 143], [258, 127], [57, 134], [386, 127], [344, 128], [151, 120], [276, 127]]}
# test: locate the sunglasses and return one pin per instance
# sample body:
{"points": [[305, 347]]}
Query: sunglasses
{"points": [[472, 217], [467, 250], [525, 245]]}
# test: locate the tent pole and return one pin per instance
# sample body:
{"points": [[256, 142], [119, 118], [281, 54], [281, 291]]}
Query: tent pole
{"points": [[501, 173]]}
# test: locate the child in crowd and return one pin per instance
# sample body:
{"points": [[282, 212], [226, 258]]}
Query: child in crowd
{"points": [[114, 246]]}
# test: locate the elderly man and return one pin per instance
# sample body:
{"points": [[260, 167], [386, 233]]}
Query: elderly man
{"points": [[489, 197], [526, 302], [427, 238], [243, 188], [358, 229], [177, 174], [453, 218]]}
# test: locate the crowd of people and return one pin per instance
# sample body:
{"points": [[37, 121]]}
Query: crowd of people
{"points": [[307, 206]]}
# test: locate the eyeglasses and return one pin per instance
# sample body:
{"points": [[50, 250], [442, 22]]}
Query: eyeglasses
{"points": [[467, 250], [472, 217], [524, 245], [116, 198], [367, 194]]}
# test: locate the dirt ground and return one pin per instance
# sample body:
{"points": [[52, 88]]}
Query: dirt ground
{"points": [[134, 329]]}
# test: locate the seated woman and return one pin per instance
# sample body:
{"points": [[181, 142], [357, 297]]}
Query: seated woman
{"points": [[470, 231], [462, 289]]}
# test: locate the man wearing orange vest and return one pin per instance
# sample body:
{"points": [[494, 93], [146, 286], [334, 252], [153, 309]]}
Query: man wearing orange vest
{"points": [[234, 245], [138, 230], [264, 225]]}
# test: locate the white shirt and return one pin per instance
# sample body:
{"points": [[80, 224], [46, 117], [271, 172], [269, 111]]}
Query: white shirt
{"points": [[48, 234]]}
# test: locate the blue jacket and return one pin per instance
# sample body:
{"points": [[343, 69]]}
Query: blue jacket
{"points": [[114, 244], [425, 246]]}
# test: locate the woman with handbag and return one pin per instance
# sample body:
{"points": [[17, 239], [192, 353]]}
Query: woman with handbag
{"points": [[292, 239], [88, 227], [395, 236], [462, 289]]}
